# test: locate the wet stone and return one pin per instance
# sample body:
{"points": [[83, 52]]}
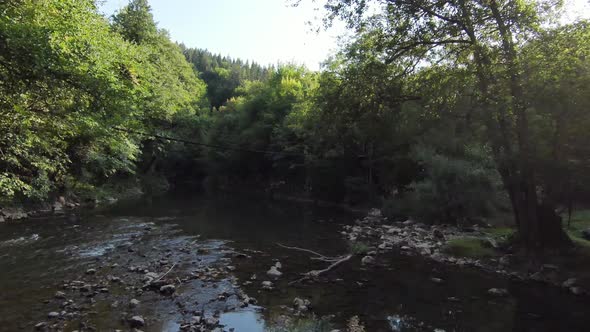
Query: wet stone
{"points": [[137, 321], [499, 292], [40, 326], [60, 295], [167, 289]]}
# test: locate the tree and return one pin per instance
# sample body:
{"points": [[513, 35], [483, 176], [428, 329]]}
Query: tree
{"points": [[483, 36], [135, 22]]}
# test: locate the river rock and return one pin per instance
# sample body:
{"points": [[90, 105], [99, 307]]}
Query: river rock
{"points": [[134, 303], [569, 283], [500, 292], [60, 295], [505, 260], [267, 285], [167, 289], [437, 280], [367, 260], [278, 265], [301, 304], [576, 290], [195, 320], [136, 321], [274, 272], [438, 234], [40, 326], [212, 321], [91, 271], [375, 213], [53, 315]]}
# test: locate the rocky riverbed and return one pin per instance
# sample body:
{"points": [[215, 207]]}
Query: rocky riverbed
{"points": [[194, 264], [412, 238]]}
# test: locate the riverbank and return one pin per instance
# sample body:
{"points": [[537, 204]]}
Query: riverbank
{"points": [[483, 248]]}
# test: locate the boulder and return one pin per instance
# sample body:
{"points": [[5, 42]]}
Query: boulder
{"points": [[367, 260], [505, 260], [167, 289], [212, 321], [576, 290], [274, 272], [499, 292], [375, 213], [136, 321], [569, 283], [438, 234], [301, 304]]}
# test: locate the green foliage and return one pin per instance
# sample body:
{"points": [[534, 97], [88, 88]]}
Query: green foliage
{"points": [[454, 189], [468, 247], [69, 81], [359, 248]]}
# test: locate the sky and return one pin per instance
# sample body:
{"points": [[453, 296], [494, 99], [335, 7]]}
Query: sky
{"points": [[264, 31]]}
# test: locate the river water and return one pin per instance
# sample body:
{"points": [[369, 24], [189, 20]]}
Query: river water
{"points": [[182, 234]]}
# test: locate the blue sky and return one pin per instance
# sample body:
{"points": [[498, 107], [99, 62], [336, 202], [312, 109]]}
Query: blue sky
{"points": [[265, 31]]}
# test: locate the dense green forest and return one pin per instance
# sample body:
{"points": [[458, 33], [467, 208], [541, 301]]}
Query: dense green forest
{"points": [[446, 111]]}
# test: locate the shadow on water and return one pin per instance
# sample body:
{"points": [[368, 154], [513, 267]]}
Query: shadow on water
{"points": [[37, 255]]}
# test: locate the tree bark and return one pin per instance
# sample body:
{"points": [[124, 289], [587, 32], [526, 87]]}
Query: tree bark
{"points": [[538, 224]]}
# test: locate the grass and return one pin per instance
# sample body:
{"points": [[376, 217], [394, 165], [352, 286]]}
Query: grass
{"points": [[471, 247], [498, 233], [580, 222], [359, 248]]}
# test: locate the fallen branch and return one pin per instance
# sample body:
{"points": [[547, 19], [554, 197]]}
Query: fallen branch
{"points": [[319, 257], [316, 273], [163, 275]]}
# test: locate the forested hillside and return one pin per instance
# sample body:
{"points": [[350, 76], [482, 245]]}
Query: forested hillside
{"points": [[446, 111]]}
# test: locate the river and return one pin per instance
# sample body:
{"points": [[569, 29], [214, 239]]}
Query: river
{"points": [[218, 244]]}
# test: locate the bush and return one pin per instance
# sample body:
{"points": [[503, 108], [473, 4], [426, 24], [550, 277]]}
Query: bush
{"points": [[453, 189]]}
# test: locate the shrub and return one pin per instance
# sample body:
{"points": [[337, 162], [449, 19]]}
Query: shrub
{"points": [[453, 189]]}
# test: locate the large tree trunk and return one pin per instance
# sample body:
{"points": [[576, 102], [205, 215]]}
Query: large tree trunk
{"points": [[539, 226]]}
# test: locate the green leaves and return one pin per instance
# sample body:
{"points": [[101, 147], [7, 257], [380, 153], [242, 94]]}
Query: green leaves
{"points": [[68, 79]]}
